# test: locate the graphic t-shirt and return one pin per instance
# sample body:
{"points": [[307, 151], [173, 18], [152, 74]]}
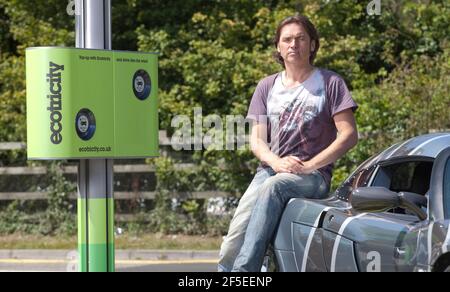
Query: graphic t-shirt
{"points": [[300, 119]]}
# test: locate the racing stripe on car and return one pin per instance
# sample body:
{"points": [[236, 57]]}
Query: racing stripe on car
{"points": [[338, 239], [310, 238], [396, 148], [447, 240], [293, 247], [420, 147], [430, 244]]}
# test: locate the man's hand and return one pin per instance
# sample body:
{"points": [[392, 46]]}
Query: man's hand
{"points": [[290, 164], [287, 164], [306, 168]]}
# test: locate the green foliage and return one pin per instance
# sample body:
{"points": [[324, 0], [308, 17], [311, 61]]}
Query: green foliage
{"points": [[26, 24], [56, 217], [212, 54], [59, 216], [206, 63], [12, 99], [173, 215]]}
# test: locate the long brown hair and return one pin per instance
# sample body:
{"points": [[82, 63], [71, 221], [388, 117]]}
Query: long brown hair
{"points": [[310, 29]]}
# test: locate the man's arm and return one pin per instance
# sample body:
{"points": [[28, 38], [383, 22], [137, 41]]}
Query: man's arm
{"points": [[347, 139]]}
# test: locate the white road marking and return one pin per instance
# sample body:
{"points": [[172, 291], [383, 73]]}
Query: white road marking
{"points": [[119, 262]]}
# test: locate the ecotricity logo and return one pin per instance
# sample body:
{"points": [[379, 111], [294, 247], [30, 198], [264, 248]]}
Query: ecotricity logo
{"points": [[54, 79]]}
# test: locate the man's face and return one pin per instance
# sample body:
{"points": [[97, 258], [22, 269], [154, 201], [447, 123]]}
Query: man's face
{"points": [[295, 44]]}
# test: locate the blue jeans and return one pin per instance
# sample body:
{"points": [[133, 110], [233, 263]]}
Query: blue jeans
{"points": [[259, 213]]}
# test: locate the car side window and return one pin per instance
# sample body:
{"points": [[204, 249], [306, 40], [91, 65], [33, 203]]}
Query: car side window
{"points": [[447, 189], [411, 177]]}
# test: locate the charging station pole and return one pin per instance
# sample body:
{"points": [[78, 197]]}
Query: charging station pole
{"points": [[95, 176]]}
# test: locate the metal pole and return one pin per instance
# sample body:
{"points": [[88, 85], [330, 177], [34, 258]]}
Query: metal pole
{"points": [[95, 176]]}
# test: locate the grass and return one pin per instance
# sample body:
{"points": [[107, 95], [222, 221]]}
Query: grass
{"points": [[175, 242], [144, 241], [19, 241]]}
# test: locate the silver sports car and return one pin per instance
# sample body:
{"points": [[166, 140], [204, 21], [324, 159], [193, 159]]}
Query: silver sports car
{"points": [[391, 214]]}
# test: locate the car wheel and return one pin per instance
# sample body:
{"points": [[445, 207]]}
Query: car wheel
{"points": [[270, 263]]}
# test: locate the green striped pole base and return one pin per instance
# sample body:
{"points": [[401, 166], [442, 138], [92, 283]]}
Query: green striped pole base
{"points": [[96, 235], [96, 216]]}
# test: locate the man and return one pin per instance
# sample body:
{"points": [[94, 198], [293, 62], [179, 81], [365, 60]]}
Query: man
{"points": [[310, 125]]}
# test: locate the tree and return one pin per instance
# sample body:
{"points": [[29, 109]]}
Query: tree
{"points": [[213, 53]]}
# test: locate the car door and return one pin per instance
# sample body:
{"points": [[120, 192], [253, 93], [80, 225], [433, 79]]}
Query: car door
{"points": [[389, 241], [369, 242], [386, 242], [435, 239], [440, 187]]}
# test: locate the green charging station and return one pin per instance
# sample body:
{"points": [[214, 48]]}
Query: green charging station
{"points": [[93, 106], [85, 104]]}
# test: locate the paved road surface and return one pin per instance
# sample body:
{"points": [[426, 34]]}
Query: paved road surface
{"points": [[126, 261], [11, 265]]}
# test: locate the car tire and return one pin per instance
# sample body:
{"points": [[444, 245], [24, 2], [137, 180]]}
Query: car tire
{"points": [[447, 270]]}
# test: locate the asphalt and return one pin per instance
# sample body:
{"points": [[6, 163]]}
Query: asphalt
{"points": [[126, 261]]}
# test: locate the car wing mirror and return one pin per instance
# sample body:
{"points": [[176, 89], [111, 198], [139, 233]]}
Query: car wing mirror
{"points": [[380, 199], [374, 199], [413, 203]]}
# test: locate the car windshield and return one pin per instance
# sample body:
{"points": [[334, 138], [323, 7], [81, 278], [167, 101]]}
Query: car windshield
{"points": [[360, 178]]}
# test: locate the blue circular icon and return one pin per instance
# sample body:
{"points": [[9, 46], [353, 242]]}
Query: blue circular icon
{"points": [[85, 124], [142, 84]]}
